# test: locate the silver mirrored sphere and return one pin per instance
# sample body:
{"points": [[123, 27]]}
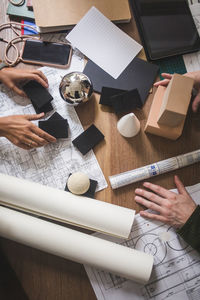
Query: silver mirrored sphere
{"points": [[75, 88]]}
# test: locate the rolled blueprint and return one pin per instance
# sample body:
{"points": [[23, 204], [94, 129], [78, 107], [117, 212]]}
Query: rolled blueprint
{"points": [[154, 169], [74, 245], [65, 207]]}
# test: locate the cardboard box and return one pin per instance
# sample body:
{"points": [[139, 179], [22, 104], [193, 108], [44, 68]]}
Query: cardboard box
{"points": [[152, 126], [176, 101]]}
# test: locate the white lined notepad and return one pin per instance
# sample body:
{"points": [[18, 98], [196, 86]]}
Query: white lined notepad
{"points": [[103, 42]]}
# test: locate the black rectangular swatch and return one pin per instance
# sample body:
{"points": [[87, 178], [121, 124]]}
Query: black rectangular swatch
{"points": [[38, 95], [106, 93], [126, 101], [139, 74], [46, 108], [88, 139], [56, 128], [55, 116], [90, 192]]}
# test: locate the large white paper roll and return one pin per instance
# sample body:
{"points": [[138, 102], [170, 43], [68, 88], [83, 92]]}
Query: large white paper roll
{"points": [[74, 245], [65, 207]]}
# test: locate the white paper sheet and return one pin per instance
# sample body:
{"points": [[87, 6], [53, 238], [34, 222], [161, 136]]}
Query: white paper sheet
{"points": [[65, 207], [176, 271], [103, 42], [75, 245]]}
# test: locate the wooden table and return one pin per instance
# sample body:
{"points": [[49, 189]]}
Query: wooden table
{"points": [[44, 276]]}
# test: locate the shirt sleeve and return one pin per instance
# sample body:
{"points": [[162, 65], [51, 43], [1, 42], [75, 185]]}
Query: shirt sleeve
{"points": [[190, 231]]}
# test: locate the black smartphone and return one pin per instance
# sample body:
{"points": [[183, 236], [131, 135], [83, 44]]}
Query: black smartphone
{"points": [[46, 53]]}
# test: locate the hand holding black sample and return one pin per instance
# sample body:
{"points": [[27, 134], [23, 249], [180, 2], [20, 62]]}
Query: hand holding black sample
{"points": [[20, 131]]}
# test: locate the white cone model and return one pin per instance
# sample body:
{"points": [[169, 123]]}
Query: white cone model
{"points": [[128, 125]]}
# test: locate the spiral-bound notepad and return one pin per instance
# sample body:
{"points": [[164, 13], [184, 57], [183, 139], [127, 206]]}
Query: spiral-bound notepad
{"points": [[103, 42]]}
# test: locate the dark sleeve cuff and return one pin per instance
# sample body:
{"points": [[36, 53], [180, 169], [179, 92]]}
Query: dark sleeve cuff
{"points": [[190, 231]]}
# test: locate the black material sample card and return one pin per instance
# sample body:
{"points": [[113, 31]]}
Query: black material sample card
{"points": [[39, 96], [107, 93], [56, 128], [126, 101], [88, 139], [90, 192], [139, 75]]}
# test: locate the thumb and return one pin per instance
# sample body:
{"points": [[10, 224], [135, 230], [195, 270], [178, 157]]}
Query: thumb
{"points": [[180, 187], [34, 117], [196, 102]]}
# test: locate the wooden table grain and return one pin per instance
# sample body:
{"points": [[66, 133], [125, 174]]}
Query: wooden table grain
{"points": [[44, 276]]}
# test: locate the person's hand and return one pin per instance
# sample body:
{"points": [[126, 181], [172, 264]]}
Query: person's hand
{"points": [[193, 75], [174, 209], [13, 78], [19, 130]]}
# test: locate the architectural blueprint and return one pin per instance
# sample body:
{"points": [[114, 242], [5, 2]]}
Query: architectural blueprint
{"points": [[49, 165], [176, 271]]}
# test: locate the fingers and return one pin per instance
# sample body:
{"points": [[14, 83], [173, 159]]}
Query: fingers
{"points": [[165, 81], [155, 217], [40, 74], [39, 77], [18, 91], [34, 116], [166, 75], [149, 204], [157, 189], [162, 82], [148, 195], [43, 135], [180, 187], [196, 103]]}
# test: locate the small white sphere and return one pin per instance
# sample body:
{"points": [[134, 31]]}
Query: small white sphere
{"points": [[78, 183]]}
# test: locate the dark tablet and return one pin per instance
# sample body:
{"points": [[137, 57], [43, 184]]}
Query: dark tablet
{"points": [[166, 27]]}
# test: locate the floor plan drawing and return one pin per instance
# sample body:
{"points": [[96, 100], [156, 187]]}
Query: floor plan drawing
{"points": [[176, 271], [51, 164]]}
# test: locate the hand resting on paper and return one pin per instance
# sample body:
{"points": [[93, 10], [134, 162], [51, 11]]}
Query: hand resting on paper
{"points": [[12, 78], [19, 129], [174, 209], [196, 76]]}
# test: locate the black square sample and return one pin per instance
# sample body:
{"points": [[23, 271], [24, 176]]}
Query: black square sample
{"points": [[38, 95], [57, 128], [55, 116], [46, 108], [88, 139], [126, 101], [139, 74], [90, 192], [106, 93]]}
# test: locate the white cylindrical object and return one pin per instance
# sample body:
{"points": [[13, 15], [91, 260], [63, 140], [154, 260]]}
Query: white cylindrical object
{"points": [[154, 169], [75, 245], [128, 125], [65, 207]]}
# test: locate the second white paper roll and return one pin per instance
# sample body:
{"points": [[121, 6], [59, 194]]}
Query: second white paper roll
{"points": [[75, 245], [65, 207]]}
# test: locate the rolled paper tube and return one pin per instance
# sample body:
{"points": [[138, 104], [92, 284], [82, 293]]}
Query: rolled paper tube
{"points": [[75, 245], [65, 207]]}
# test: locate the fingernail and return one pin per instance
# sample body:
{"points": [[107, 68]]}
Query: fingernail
{"points": [[138, 190]]}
